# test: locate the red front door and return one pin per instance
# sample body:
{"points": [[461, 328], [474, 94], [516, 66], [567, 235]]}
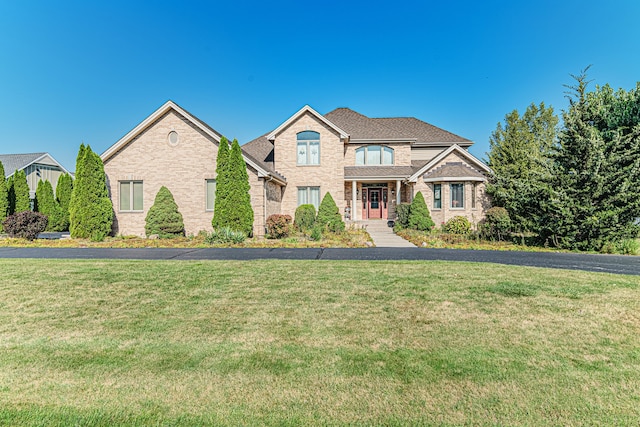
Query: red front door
{"points": [[375, 203]]}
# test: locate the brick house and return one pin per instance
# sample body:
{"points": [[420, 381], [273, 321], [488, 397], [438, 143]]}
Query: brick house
{"points": [[368, 165]]}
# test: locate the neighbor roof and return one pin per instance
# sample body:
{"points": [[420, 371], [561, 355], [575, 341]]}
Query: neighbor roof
{"points": [[14, 162]]}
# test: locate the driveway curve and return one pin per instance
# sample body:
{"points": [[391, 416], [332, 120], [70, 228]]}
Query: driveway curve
{"points": [[618, 264]]}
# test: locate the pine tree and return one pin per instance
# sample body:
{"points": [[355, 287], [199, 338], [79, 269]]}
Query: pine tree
{"points": [[21, 192], [419, 217], [164, 218], [222, 188], [4, 196], [238, 210], [91, 212], [64, 189], [329, 215], [11, 197], [47, 205]]}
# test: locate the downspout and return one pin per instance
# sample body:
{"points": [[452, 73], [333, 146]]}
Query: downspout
{"points": [[264, 203]]}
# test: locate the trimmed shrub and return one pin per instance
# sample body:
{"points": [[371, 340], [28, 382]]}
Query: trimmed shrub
{"points": [[21, 199], [25, 224], [402, 214], [47, 205], [497, 223], [278, 226], [457, 225], [305, 217], [164, 218], [225, 235], [90, 209], [329, 217], [419, 217], [4, 197], [64, 188]]}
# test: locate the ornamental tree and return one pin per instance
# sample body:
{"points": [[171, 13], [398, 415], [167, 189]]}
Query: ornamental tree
{"points": [[222, 189], [164, 218], [22, 201], [238, 211], [47, 205], [419, 216], [329, 215], [4, 196], [64, 189]]}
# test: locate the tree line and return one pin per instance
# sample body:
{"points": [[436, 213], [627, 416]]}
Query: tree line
{"points": [[574, 185]]}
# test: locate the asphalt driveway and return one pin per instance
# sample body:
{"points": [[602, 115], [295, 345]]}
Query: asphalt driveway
{"points": [[588, 262]]}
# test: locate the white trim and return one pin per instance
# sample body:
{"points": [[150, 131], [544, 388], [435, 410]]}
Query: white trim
{"points": [[373, 178], [307, 109], [445, 153], [456, 179], [37, 160]]}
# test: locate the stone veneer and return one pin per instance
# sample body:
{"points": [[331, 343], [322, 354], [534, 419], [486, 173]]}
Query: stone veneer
{"points": [[183, 169]]}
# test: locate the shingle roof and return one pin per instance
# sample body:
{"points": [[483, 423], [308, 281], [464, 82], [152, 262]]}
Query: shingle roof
{"points": [[453, 170], [14, 162], [377, 171], [424, 132], [261, 150], [360, 126]]}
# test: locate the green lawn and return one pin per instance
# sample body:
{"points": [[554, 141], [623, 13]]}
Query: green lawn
{"points": [[328, 343]]}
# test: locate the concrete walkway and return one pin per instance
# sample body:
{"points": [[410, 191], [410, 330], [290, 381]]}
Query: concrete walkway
{"points": [[383, 235]]}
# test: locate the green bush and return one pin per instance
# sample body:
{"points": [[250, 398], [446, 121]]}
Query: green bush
{"points": [[329, 217], [457, 225], [419, 217], [25, 224], [164, 218], [21, 199], [305, 217], [4, 196], [64, 188], [225, 235], [278, 226], [402, 214], [629, 246], [497, 224], [47, 205], [316, 233]]}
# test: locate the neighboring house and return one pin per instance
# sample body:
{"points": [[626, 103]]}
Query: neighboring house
{"points": [[368, 165], [37, 167]]}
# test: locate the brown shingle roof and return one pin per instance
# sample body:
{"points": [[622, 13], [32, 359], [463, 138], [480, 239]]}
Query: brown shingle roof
{"points": [[424, 132], [377, 171], [453, 170], [260, 150], [359, 126]]}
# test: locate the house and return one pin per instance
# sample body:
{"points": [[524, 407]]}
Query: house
{"points": [[368, 165], [36, 166]]}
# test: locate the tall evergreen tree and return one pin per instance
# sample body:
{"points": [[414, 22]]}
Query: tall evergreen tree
{"points": [[91, 211], [47, 205], [21, 192], [222, 188], [64, 189], [520, 158], [239, 213], [11, 197], [4, 196], [597, 169]]}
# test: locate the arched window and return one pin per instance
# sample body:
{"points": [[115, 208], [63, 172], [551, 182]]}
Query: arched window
{"points": [[308, 148], [374, 155]]}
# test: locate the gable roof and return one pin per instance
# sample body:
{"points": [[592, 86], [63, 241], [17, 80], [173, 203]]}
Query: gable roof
{"points": [[361, 127], [304, 110], [14, 162], [165, 108], [459, 150], [453, 171], [423, 132]]}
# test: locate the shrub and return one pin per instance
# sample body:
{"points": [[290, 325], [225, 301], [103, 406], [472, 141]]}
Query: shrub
{"points": [[64, 188], [164, 218], [457, 225], [278, 226], [419, 217], [316, 233], [402, 214], [629, 247], [305, 217], [497, 223], [21, 199], [329, 217], [4, 196], [47, 205], [225, 235], [25, 224]]}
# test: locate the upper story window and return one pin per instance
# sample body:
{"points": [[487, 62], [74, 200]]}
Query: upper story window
{"points": [[374, 155], [308, 148]]}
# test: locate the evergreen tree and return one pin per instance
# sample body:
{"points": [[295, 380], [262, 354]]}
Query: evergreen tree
{"points": [[597, 169], [11, 197], [21, 192], [520, 158], [419, 216], [64, 189], [4, 196], [164, 218], [222, 188], [329, 215], [91, 210], [46, 204], [238, 210]]}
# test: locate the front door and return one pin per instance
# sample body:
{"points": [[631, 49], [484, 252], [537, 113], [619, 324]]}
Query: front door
{"points": [[375, 205]]}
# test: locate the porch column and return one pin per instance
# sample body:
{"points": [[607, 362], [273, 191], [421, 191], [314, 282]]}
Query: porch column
{"points": [[354, 189], [398, 192]]}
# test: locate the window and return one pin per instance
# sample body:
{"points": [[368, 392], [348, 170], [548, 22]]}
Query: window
{"points": [[308, 148], [457, 196], [210, 194], [474, 192], [374, 155], [437, 196], [309, 195], [130, 196]]}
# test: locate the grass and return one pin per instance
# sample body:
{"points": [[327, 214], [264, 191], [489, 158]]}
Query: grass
{"points": [[324, 343]]}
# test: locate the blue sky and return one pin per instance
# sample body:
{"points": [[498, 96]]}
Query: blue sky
{"points": [[86, 71]]}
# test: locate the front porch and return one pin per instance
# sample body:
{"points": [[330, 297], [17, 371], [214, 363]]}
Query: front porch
{"points": [[374, 200]]}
